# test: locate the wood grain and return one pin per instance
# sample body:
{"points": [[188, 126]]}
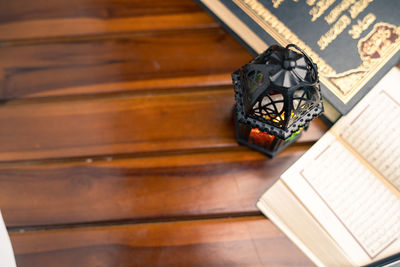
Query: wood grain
{"points": [[116, 125], [251, 241], [119, 64], [168, 186], [65, 19], [117, 143]]}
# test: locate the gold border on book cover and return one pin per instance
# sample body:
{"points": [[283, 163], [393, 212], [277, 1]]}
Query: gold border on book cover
{"points": [[375, 50]]}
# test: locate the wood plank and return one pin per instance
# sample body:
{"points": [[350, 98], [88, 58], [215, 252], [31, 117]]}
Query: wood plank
{"points": [[251, 241], [116, 125], [168, 186], [59, 18], [120, 64]]}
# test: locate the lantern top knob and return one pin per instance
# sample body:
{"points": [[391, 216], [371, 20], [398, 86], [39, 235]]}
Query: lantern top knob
{"points": [[289, 64]]}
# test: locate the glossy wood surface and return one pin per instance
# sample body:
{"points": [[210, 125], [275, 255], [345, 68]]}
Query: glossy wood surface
{"points": [[138, 188], [118, 64], [41, 19], [247, 241], [117, 141], [120, 124]]}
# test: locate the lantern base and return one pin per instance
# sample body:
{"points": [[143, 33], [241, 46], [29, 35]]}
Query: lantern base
{"points": [[269, 153], [261, 141]]}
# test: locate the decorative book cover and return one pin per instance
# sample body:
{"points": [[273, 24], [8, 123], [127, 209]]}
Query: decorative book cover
{"points": [[353, 42]]}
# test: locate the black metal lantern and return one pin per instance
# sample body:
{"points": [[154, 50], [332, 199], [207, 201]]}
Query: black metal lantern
{"points": [[277, 95]]}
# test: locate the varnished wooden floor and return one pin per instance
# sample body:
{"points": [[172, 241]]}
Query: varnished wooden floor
{"points": [[117, 144]]}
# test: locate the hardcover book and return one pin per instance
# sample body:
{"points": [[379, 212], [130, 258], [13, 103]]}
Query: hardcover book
{"points": [[340, 202], [353, 42]]}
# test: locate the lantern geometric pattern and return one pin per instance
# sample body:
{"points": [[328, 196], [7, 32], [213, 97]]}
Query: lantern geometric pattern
{"points": [[277, 94]]}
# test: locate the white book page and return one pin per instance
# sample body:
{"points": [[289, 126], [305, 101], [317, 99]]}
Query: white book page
{"points": [[354, 207], [6, 251], [372, 129], [358, 208]]}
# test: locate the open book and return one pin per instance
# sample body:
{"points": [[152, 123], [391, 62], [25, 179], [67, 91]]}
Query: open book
{"points": [[340, 202]]}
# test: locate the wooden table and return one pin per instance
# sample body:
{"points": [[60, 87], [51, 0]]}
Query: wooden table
{"points": [[117, 144]]}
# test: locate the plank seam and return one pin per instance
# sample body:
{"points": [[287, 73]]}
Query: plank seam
{"points": [[150, 154], [23, 229], [117, 95], [103, 37]]}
